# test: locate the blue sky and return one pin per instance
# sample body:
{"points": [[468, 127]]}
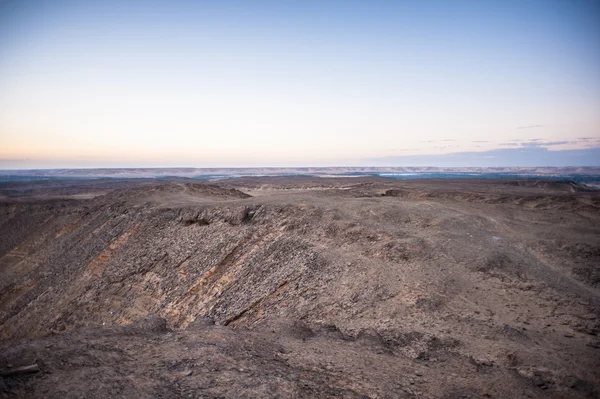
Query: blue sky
{"points": [[290, 83]]}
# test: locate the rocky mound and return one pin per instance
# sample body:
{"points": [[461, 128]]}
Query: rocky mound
{"points": [[280, 359], [555, 185], [164, 193], [338, 291]]}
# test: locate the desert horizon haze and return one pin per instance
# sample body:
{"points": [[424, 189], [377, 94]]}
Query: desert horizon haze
{"points": [[298, 83]]}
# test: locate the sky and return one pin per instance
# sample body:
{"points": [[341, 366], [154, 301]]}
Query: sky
{"points": [[298, 83]]}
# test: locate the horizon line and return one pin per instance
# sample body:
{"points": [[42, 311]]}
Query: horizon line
{"points": [[296, 167]]}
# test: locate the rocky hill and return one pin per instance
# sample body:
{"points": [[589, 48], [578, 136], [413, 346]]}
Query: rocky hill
{"points": [[301, 287]]}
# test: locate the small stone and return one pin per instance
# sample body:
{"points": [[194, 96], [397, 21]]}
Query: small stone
{"points": [[540, 383]]}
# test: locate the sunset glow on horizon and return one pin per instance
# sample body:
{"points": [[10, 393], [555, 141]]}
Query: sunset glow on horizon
{"points": [[292, 83]]}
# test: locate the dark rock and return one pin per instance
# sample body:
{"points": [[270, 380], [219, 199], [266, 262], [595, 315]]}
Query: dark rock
{"points": [[148, 324], [593, 344], [201, 322], [370, 336]]}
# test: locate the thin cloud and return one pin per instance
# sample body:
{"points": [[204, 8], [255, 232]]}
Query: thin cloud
{"points": [[551, 143], [533, 143], [437, 141], [529, 127]]}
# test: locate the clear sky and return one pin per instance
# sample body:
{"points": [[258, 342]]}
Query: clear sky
{"points": [[293, 82]]}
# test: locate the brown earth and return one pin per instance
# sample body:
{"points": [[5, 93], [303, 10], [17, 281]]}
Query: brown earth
{"points": [[300, 287]]}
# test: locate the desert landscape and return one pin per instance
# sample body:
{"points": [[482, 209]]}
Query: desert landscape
{"points": [[299, 199], [301, 286]]}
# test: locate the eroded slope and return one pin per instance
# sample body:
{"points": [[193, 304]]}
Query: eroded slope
{"points": [[429, 276]]}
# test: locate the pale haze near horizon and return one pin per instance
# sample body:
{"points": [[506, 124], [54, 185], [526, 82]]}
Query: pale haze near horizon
{"points": [[292, 83]]}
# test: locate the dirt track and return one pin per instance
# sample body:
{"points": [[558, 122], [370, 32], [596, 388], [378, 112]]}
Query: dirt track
{"points": [[353, 287]]}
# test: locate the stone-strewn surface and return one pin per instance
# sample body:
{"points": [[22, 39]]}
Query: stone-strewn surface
{"points": [[322, 287]]}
